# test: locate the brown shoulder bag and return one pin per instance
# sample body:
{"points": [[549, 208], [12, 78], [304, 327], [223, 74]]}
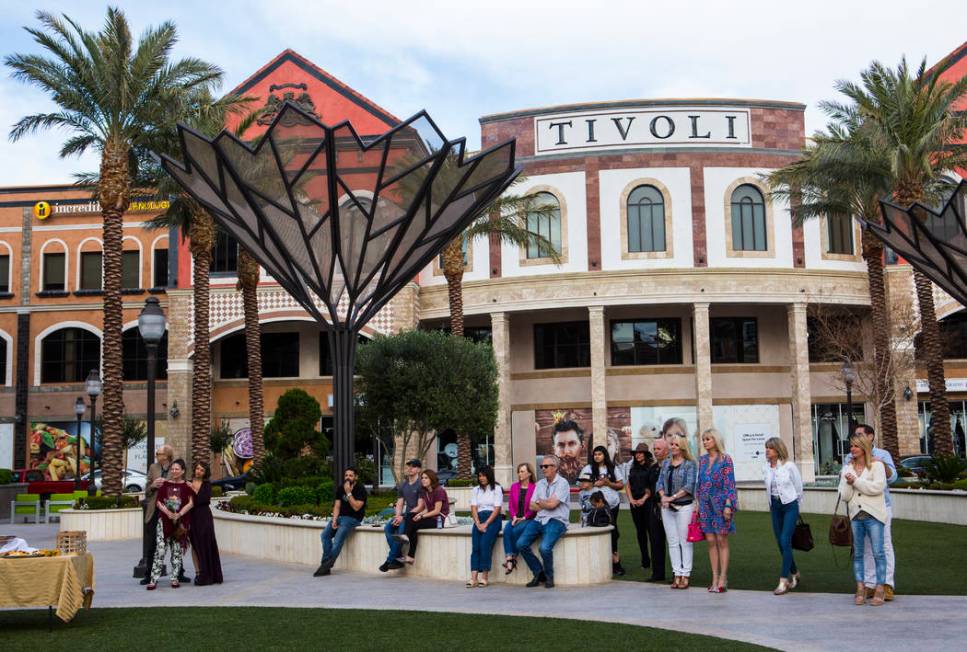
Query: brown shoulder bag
{"points": [[840, 530]]}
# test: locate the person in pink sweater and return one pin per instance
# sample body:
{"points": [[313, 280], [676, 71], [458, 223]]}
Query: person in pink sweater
{"points": [[518, 507]]}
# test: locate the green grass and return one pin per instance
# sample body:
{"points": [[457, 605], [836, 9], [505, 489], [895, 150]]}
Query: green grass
{"points": [[931, 558], [254, 628]]}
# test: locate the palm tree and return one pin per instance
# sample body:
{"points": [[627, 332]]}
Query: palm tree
{"points": [[113, 97], [843, 172], [248, 283], [917, 128]]}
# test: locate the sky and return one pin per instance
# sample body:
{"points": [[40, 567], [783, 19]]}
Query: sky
{"points": [[461, 59]]}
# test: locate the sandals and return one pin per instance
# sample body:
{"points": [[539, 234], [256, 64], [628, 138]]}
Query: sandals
{"points": [[483, 584], [175, 584], [510, 565], [151, 586], [471, 584]]}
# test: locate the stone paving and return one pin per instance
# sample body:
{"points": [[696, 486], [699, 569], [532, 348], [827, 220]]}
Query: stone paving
{"points": [[798, 621]]}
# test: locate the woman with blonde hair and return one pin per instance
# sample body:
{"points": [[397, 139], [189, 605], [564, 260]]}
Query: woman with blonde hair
{"points": [[676, 486], [717, 503], [861, 485], [784, 488]]}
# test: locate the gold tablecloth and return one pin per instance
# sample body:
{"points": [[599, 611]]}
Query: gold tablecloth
{"points": [[65, 582]]}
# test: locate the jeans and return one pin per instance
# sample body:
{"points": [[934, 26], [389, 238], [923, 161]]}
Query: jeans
{"points": [[873, 528], [676, 532], [395, 547], [868, 562], [511, 534], [784, 519], [549, 533], [482, 543], [333, 538]]}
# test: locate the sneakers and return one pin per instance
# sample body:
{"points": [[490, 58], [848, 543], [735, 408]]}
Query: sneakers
{"points": [[384, 567], [325, 568]]}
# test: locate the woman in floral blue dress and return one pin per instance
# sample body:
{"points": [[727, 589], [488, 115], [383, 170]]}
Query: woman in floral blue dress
{"points": [[717, 503]]}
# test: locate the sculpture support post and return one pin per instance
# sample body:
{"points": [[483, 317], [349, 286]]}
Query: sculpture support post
{"points": [[342, 347]]}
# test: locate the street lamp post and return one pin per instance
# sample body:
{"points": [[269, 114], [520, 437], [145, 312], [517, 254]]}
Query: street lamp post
{"points": [[79, 410], [93, 387], [849, 377]]}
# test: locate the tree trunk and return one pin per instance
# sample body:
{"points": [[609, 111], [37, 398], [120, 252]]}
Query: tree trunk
{"points": [[464, 457], [202, 238], [114, 194], [248, 281], [885, 380], [453, 272], [932, 350]]}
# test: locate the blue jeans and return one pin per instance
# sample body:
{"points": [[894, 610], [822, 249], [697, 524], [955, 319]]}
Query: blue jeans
{"points": [[395, 547], [482, 543], [549, 533], [874, 529], [784, 519], [511, 534], [333, 538]]}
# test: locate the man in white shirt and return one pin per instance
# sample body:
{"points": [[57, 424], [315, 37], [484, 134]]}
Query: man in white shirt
{"points": [[552, 502]]}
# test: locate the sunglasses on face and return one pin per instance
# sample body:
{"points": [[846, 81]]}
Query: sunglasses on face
{"points": [[547, 466]]}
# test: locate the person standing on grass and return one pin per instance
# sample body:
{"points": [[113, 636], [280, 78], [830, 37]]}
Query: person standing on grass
{"points": [[656, 529], [717, 503], [518, 507], [431, 511], [486, 504], [676, 486], [408, 492], [552, 503], [639, 499], [892, 476], [174, 501], [348, 511], [609, 480], [784, 489], [862, 485]]}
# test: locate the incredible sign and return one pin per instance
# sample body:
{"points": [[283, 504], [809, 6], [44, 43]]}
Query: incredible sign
{"points": [[43, 210], [642, 128]]}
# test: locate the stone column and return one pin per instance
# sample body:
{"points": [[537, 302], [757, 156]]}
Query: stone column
{"points": [[907, 414], [599, 400], [503, 432], [406, 308], [179, 370], [802, 427], [703, 366]]}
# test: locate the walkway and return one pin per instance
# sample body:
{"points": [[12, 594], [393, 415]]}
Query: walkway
{"points": [[798, 621]]}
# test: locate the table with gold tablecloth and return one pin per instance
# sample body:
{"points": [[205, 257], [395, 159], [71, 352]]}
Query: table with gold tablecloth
{"points": [[65, 583]]}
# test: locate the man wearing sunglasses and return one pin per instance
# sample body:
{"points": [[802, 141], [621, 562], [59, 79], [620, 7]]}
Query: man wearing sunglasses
{"points": [[552, 502]]}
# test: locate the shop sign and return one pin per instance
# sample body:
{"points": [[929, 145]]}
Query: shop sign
{"points": [[42, 209], [953, 385]]}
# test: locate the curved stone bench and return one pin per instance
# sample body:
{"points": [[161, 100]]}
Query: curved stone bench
{"points": [[581, 557]]}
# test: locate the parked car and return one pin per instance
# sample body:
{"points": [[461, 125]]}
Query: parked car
{"points": [[236, 483], [916, 463], [133, 482]]}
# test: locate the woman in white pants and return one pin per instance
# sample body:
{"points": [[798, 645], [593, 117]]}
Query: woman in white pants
{"points": [[676, 486]]}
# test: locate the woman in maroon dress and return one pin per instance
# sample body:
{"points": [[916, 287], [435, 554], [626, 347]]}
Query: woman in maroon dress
{"points": [[175, 499], [204, 548]]}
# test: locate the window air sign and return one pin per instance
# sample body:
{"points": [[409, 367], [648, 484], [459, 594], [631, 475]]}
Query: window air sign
{"points": [[642, 128]]}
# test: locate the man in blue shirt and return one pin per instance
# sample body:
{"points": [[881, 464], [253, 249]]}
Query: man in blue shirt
{"points": [[552, 502], [864, 430]]}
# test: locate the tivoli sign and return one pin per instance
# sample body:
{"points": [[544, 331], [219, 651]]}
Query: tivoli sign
{"points": [[642, 128]]}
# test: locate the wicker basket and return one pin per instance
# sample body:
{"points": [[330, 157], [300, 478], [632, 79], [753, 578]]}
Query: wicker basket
{"points": [[71, 542]]}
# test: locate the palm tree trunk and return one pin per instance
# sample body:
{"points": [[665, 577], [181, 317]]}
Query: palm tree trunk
{"points": [[248, 281], [883, 356], [932, 349], [453, 272], [114, 195], [202, 236]]}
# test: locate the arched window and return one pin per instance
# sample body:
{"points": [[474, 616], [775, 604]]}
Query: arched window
{"points": [[3, 361], [134, 356], [646, 220], [5, 267], [748, 220], [91, 266], [545, 220], [68, 355], [53, 267]]}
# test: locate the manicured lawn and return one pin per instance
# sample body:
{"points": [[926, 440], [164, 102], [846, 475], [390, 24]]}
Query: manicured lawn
{"points": [[252, 628], [931, 557]]}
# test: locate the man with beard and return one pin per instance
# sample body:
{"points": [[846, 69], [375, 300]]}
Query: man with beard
{"points": [[569, 447]]}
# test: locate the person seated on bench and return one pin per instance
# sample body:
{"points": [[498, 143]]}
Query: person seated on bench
{"points": [[552, 502], [347, 514], [408, 492]]}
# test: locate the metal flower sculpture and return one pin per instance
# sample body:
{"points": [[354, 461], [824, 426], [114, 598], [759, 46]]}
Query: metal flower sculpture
{"points": [[342, 222], [940, 253]]}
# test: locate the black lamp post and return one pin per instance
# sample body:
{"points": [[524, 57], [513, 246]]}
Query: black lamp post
{"points": [[79, 409], [93, 387], [849, 377]]}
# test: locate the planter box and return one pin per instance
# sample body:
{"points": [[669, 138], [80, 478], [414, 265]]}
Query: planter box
{"points": [[105, 524], [581, 557], [8, 493]]}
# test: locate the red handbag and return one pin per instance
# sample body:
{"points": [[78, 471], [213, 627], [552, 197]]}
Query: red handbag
{"points": [[695, 533]]}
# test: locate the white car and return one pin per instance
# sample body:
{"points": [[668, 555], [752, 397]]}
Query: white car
{"points": [[133, 481]]}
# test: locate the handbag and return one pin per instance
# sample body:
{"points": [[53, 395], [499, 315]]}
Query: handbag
{"points": [[840, 530], [802, 536], [450, 520], [695, 533]]}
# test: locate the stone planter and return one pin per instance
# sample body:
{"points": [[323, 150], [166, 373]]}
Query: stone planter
{"points": [[459, 497], [104, 524], [8, 493]]}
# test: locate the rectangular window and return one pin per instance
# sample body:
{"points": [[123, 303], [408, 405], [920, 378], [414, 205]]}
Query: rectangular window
{"points": [[562, 345], [734, 339], [4, 273], [644, 342], [160, 279], [130, 270], [280, 355], [839, 234], [3, 361], [54, 273], [224, 254], [91, 262]]}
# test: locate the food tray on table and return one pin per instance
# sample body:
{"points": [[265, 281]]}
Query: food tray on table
{"points": [[19, 554]]}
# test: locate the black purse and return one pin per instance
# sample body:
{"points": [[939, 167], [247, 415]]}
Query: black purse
{"points": [[802, 536]]}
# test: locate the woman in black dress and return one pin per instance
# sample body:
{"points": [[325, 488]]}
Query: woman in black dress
{"points": [[204, 548]]}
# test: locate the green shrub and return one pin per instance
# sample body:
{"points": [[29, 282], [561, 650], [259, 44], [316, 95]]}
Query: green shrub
{"points": [[326, 492], [264, 493], [365, 469], [6, 476], [217, 492], [295, 496], [107, 502], [250, 488], [293, 427], [457, 482], [305, 466], [376, 504], [945, 468], [270, 469], [249, 504], [961, 484]]}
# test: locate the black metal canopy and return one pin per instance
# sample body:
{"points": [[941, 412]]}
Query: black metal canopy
{"points": [[942, 259], [341, 222]]}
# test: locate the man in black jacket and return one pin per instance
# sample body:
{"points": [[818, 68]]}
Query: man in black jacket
{"points": [[656, 531]]}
